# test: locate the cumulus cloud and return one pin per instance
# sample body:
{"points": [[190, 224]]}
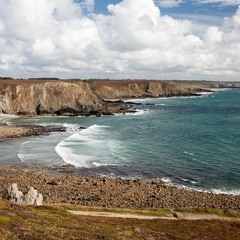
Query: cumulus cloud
{"points": [[88, 5], [57, 38], [168, 3], [221, 2]]}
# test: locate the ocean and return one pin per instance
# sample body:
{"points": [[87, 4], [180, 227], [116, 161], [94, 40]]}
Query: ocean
{"points": [[189, 142]]}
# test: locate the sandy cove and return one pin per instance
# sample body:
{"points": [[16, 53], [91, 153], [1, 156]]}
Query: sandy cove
{"points": [[62, 188]]}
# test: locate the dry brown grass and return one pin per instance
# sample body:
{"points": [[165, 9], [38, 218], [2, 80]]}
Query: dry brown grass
{"points": [[18, 222]]}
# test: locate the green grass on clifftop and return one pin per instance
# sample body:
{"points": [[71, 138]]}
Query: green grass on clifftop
{"points": [[52, 222]]}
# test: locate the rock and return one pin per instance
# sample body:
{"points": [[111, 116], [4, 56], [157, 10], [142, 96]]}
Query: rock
{"points": [[13, 194], [31, 198], [39, 200], [53, 183], [178, 215]]}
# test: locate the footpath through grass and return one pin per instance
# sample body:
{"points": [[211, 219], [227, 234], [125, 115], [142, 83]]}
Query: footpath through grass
{"points": [[54, 222]]}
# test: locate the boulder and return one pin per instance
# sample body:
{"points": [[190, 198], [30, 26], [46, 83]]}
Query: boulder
{"points": [[32, 197]]}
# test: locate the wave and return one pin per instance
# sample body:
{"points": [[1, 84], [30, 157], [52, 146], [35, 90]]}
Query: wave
{"points": [[136, 100], [71, 127], [160, 104], [140, 112], [170, 182], [97, 164], [205, 93], [188, 180], [40, 150], [24, 157], [136, 113], [189, 153], [234, 192], [88, 148], [166, 180]]}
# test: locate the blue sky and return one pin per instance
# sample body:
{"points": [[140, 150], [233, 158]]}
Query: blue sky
{"points": [[187, 7], [204, 13]]}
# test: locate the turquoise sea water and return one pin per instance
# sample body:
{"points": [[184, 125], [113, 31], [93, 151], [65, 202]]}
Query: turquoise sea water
{"points": [[192, 142]]}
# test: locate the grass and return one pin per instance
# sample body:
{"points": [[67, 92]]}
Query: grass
{"points": [[54, 222], [221, 213], [152, 212]]}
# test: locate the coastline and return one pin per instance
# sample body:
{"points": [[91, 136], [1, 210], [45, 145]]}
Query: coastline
{"points": [[8, 132], [69, 188], [66, 187]]}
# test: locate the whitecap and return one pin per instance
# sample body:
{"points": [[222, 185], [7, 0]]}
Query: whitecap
{"points": [[189, 153], [205, 93], [166, 180], [160, 104], [234, 192], [91, 147], [137, 112], [136, 100], [97, 164], [188, 180]]}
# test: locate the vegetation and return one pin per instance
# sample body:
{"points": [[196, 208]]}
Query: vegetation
{"points": [[221, 213], [152, 212], [53, 222]]}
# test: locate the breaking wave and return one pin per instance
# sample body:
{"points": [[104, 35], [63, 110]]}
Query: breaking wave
{"points": [[91, 147]]}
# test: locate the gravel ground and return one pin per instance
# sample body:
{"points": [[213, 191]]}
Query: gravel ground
{"points": [[61, 188]]}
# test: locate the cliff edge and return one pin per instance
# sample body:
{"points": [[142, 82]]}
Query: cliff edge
{"points": [[66, 97]]}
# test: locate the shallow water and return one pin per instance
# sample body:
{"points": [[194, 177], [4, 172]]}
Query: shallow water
{"points": [[192, 142]]}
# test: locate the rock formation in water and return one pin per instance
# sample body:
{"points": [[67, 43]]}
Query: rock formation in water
{"points": [[32, 197], [58, 97]]}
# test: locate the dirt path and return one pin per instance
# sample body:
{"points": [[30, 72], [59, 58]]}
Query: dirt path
{"points": [[117, 215], [176, 216]]}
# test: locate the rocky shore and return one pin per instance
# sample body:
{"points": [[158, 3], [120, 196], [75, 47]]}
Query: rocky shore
{"points": [[9, 132], [68, 188]]}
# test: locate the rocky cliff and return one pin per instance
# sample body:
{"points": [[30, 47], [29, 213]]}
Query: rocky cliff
{"points": [[37, 97]]}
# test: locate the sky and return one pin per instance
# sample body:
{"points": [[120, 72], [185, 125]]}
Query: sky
{"points": [[120, 39]]}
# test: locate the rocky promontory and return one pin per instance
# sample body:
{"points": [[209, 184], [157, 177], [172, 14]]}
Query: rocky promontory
{"points": [[73, 97]]}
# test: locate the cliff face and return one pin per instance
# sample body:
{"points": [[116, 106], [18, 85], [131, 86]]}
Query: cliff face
{"points": [[77, 97], [136, 89], [48, 97]]}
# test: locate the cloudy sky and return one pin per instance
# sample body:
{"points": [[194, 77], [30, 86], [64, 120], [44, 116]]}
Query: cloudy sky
{"points": [[155, 39]]}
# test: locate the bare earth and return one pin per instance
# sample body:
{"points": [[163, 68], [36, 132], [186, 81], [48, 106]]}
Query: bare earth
{"points": [[185, 216]]}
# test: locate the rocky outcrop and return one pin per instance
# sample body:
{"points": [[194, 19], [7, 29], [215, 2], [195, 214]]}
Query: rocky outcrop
{"points": [[28, 97], [32, 197], [48, 98]]}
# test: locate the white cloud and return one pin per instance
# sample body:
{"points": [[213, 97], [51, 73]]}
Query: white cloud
{"points": [[221, 2], [55, 38], [168, 3], [88, 5]]}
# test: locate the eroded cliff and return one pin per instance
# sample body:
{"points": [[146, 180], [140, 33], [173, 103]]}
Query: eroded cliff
{"points": [[78, 97]]}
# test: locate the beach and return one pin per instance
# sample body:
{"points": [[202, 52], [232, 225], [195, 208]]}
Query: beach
{"points": [[62, 186]]}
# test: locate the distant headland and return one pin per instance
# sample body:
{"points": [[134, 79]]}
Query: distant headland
{"points": [[53, 96]]}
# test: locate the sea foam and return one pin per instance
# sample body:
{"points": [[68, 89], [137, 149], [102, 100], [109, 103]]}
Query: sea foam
{"points": [[87, 148]]}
